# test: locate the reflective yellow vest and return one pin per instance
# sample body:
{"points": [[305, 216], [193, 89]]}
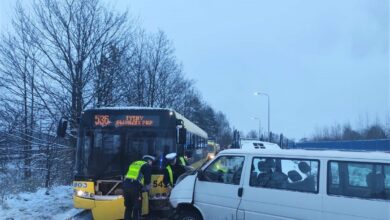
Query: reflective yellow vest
{"points": [[170, 173], [183, 161], [134, 171], [220, 167]]}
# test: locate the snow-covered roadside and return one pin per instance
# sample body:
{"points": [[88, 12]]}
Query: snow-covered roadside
{"points": [[57, 205]]}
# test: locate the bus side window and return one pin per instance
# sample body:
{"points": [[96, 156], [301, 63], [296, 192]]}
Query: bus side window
{"points": [[188, 140]]}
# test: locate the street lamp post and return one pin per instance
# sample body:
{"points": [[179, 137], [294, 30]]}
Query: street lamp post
{"points": [[257, 118], [265, 94]]}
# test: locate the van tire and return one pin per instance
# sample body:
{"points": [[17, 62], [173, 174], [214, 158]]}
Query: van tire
{"points": [[189, 214]]}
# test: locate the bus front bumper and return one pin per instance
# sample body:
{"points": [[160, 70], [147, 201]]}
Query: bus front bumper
{"points": [[107, 208]]}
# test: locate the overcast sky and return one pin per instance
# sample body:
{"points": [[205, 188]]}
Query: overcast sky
{"points": [[321, 62]]}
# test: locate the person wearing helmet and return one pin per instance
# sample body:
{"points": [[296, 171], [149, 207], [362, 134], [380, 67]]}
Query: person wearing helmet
{"points": [[172, 171], [138, 178]]}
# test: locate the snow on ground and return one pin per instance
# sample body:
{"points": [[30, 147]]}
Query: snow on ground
{"points": [[58, 204]]}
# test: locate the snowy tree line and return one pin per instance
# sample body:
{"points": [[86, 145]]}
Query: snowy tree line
{"points": [[336, 132], [365, 130], [61, 57]]}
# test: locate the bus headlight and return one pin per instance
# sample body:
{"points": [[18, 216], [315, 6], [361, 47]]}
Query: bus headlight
{"points": [[83, 194], [80, 193]]}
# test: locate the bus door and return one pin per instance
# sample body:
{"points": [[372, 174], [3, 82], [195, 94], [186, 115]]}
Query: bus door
{"points": [[140, 143]]}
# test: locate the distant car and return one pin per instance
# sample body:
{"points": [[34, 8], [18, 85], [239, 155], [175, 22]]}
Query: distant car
{"points": [[248, 144], [213, 149]]}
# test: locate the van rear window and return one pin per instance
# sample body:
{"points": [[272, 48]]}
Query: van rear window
{"points": [[358, 179]]}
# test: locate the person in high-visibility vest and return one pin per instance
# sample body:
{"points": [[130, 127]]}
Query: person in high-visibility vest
{"points": [[172, 171], [138, 178], [183, 161]]}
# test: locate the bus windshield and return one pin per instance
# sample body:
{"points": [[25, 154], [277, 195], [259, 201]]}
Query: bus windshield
{"points": [[105, 153]]}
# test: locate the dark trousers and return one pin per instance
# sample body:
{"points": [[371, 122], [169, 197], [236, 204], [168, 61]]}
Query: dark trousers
{"points": [[132, 194]]}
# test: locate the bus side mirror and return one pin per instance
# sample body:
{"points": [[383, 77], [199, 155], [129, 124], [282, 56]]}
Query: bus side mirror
{"points": [[182, 136], [61, 129]]}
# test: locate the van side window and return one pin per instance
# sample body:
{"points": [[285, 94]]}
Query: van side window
{"points": [[335, 179], [358, 179], [288, 174], [225, 169], [387, 177]]}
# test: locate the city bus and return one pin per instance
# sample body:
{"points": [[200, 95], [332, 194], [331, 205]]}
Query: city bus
{"points": [[110, 139]]}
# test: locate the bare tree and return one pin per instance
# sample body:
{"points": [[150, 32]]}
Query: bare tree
{"points": [[350, 134], [67, 55], [157, 56], [253, 134], [48, 65], [154, 78], [108, 81], [69, 34], [374, 131], [17, 72], [134, 77], [224, 130]]}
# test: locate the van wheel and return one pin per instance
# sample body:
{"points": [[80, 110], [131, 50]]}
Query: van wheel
{"points": [[189, 215]]}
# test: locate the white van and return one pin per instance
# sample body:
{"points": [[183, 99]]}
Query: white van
{"points": [[287, 184], [248, 144]]}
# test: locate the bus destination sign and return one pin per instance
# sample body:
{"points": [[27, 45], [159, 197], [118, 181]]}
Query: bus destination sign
{"points": [[126, 121]]}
